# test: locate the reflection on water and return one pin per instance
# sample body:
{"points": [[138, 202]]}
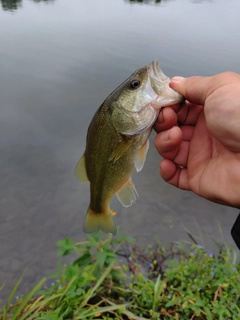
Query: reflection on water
{"points": [[146, 1], [162, 1], [12, 5], [43, 0]]}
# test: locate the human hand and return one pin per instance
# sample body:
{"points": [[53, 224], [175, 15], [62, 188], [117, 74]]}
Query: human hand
{"points": [[200, 140]]}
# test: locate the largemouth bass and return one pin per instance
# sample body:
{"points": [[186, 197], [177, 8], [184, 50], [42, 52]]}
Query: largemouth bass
{"points": [[117, 141]]}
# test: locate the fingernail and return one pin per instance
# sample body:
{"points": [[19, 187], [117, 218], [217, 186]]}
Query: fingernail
{"points": [[165, 135], [177, 79]]}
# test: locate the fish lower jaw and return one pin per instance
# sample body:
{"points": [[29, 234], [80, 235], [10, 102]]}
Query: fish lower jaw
{"points": [[156, 106], [168, 98]]}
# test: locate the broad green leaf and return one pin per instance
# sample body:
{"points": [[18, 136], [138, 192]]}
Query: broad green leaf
{"points": [[101, 257]]}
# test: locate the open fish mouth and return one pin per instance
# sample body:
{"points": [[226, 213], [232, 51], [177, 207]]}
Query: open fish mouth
{"points": [[159, 84], [156, 73]]}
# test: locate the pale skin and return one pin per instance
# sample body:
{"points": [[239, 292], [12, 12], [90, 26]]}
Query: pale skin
{"points": [[199, 140]]}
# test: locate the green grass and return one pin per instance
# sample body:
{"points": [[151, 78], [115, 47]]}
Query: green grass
{"points": [[114, 278]]}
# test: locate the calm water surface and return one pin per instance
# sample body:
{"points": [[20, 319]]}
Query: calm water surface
{"points": [[58, 62]]}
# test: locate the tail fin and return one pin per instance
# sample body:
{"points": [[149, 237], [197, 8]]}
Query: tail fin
{"points": [[99, 221]]}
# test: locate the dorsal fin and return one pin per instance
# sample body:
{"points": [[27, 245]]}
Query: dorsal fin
{"points": [[80, 170]]}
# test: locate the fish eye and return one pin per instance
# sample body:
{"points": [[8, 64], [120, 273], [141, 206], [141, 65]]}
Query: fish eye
{"points": [[134, 84]]}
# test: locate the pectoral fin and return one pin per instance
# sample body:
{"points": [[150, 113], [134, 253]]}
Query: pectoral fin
{"points": [[80, 170], [119, 150], [141, 157], [127, 194]]}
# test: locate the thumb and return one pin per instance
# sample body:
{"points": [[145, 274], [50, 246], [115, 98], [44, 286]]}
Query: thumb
{"points": [[195, 89]]}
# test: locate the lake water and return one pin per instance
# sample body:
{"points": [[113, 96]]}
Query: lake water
{"points": [[58, 62]]}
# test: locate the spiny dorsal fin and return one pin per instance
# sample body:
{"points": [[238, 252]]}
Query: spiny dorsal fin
{"points": [[127, 194], [80, 170]]}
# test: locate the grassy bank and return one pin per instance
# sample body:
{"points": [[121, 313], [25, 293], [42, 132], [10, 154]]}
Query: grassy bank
{"points": [[115, 278]]}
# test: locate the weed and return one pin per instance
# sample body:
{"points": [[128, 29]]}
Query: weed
{"points": [[114, 278]]}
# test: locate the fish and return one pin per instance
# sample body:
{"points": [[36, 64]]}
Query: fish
{"points": [[118, 140]]}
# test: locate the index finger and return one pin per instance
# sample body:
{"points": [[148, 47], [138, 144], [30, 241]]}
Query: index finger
{"points": [[167, 118]]}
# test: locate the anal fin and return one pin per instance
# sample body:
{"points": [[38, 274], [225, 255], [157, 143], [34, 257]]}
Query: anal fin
{"points": [[127, 194]]}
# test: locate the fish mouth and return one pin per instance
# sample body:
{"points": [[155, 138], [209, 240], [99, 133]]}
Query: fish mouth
{"points": [[162, 94], [156, 73]]}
